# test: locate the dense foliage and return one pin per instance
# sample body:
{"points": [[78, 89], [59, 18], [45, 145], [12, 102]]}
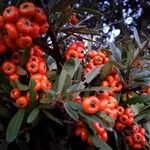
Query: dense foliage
{"points": [[62, 88]]}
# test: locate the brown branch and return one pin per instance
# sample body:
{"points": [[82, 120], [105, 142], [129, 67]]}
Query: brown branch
{"points": [[55, 53]]}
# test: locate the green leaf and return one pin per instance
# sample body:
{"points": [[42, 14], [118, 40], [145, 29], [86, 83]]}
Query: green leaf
{"points": [[33, 115], [116, 52], [63, 18], [74, 105], [118, 65], [139, 75], [51, 75], [78, 74], [45, 101], [141, 82], [71, 112], [88, 10], [25, 56], [99, 143], [92, 74], [88, 78], [4, 83], [95, 89], [106, 118], [6, 88], [51, 93], [32, 94], [136, 36], [130, 56], [139, 99], [87, 39], [142, 115], [147, 127], [117, 140], [50, 116], [80, 30], [21, 86], [136, 108], [52, 5], [91, 118], [106, 69], [21, 71], [13, 84], [69, 69], [142, 46], [14, 125], [95, 118], [4, 145], [31, 90]]}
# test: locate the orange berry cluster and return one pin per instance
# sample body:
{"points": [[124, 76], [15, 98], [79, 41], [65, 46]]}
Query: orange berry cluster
{"points": [[81, 132], [113, 80], [19, 26], [108, 104], [137, 139], [103, 102], [124, 119], [95, 59], [75, 50], [101, 132], [36, 69]]}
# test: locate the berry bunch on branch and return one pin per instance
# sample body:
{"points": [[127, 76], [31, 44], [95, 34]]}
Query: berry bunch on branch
{"points": [[57, 87]]}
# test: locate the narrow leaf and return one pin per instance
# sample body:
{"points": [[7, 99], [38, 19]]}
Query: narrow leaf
{"points": [[4, 145], [25, 56], [80, 30], [21, 86], [71, 112], [139, 99], [136, 36], [106, 118], [92, 74], [106, 70], [5, 87], [142, 115], [142, 46], [95, 118], [88, 10], [21, 71], [116, 52], [45, 101], [90, 89], [14, 125], [31, 90], [69, 69], [33, 115], [74, 105], [100, 143]]}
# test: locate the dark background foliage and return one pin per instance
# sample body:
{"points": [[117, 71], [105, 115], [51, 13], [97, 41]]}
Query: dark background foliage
{"points": [[119, 16]]}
